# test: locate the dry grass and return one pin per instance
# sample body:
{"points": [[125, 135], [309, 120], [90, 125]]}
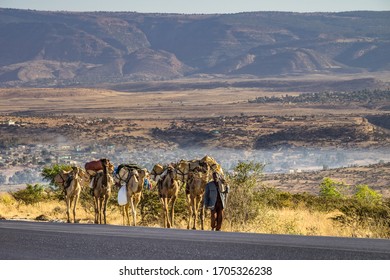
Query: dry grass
{"points": [[305, 222], [271, 221], [164, 104]]}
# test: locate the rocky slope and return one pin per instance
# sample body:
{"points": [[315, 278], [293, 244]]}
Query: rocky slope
{"points": [[62, 48]]}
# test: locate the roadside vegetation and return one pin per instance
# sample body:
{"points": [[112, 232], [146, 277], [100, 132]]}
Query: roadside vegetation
{"points": [[337, 210]]}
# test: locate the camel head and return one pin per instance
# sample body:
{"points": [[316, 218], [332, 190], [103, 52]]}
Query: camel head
{"points": [[171, 173], [157, 170], [76, 171], [125, 175]]}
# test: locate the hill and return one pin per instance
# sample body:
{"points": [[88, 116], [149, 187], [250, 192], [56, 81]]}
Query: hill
{"points": [[375, 176], [65, 48]]}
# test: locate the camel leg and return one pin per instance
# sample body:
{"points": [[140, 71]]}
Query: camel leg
{"points": [[96, 202], [194, 203], [123, 215], [133, 211], [189, 211], [105, 209], [201, 214], [100, 209], [125, 210], [76, 199], [68, 209], [137, 199], [173, 199], [164, 203]]}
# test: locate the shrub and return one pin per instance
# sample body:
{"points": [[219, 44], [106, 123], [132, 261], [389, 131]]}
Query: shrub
{"points": [[243, 201], [32, 194], [360, 216], [150, 207], [49, 172], [367, 196], [331, 189], [6, 199]]}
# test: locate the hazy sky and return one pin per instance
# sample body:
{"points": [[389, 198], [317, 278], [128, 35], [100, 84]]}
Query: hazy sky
{"points": [[199, 6]]}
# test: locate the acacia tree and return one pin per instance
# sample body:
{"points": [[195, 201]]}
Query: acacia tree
{"points": [[242, 204], [331, 189], [49, 172]]}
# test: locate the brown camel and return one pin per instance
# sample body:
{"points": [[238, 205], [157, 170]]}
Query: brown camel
{"points": [[168, 190], [197, 181], [102, 182], [93, 167], [134, 180], [71, 182], [199, 174]]}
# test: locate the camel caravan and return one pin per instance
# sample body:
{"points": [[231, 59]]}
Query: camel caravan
{"points": [[101, 177]]}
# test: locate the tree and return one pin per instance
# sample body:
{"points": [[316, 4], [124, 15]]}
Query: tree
{"points": [[243, 204], [331, 189], [48, 173], [31, 194], [367, 196]]}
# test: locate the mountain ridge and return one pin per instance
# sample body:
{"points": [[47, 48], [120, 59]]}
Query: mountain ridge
{"points": [[39, 48]]}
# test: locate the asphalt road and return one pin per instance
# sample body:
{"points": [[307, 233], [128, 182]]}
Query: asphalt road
{"points": [[20, 240]]}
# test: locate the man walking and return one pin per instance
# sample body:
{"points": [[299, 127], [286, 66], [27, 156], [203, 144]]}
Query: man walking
{"points": [[214, 199]]}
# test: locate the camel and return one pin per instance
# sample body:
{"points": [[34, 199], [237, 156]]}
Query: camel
{"points": [[71, 182], [197, 181], [134, 180], [93, 167], [101, 195], [168, 190], [199, 174], [185, 167]]}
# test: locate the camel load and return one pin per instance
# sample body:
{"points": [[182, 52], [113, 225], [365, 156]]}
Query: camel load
{"points": [[93, 167], [98, 165]]}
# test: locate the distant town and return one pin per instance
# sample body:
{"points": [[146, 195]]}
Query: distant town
{"points": [[22, 164]]}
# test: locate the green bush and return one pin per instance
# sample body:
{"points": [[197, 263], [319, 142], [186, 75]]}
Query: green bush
{"points": [[150, 207], [360, 216], [32, 194], [49, 172], [243, 202], [331, 189], [367, 196]]}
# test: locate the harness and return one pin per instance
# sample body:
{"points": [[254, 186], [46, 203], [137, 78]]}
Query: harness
{"points": [[129, 174], [181, 173], [66, 182]]}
